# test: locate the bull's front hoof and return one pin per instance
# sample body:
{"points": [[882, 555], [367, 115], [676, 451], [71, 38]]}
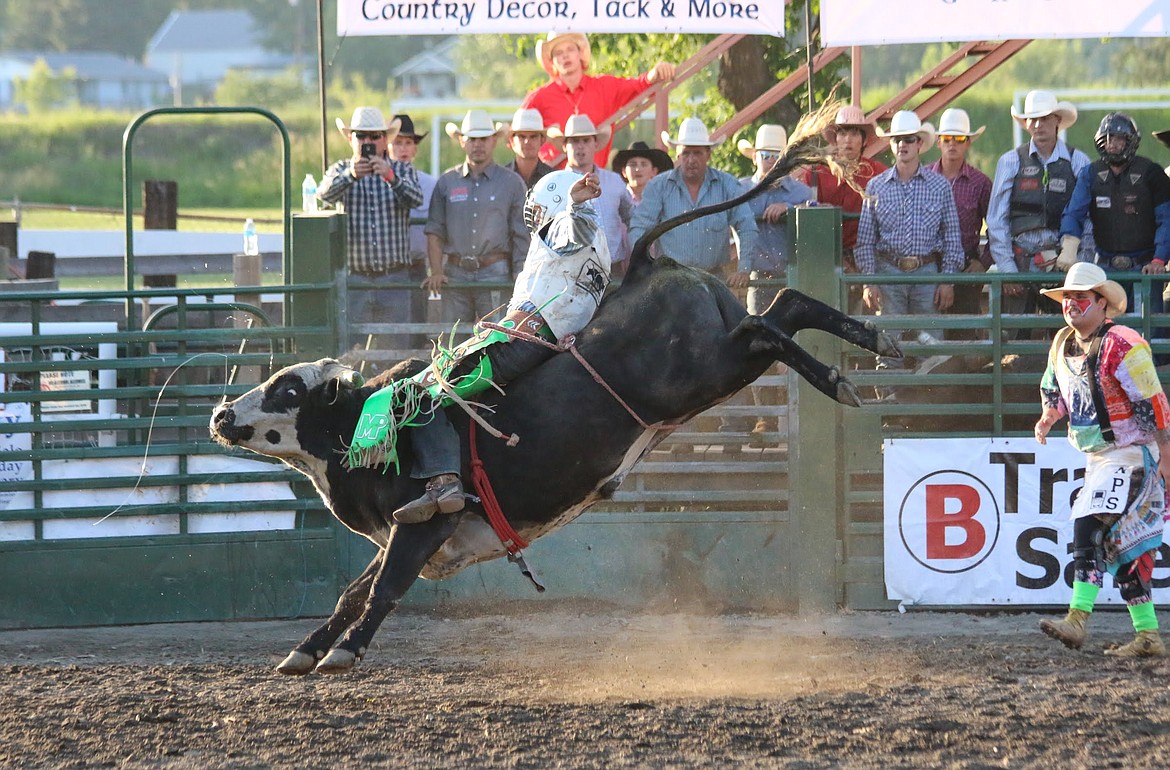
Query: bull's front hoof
{"points": [[338, 661], [847, 393], [297, 664]]}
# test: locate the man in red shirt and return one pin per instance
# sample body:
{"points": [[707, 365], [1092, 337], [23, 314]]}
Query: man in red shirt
{"points": [[565, 56]]}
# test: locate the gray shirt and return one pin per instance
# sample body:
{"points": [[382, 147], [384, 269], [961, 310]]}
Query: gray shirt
{"points": [[480, 214]]}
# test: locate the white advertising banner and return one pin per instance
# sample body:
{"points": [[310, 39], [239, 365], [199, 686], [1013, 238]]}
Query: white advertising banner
{"points": [[878, 22], [984, 521], [465, 17]]}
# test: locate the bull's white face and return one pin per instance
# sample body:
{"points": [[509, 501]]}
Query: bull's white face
{"points": [[264, 419]]}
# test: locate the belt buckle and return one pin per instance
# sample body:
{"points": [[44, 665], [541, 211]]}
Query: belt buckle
{"points": [[909, 264], [470, 264], [1121, 263]]}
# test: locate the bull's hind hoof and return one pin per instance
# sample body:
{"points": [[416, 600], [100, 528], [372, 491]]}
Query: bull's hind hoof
{"points": [[847, 393], [338, 661], [297, 664], [887, 346]]}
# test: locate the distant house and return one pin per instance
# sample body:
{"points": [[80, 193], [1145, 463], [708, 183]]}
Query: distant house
{"points": [[100, 80], [197, 48], [430, 74]]}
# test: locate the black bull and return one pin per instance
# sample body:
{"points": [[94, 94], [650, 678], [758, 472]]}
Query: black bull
{"points": [[671, 341]]}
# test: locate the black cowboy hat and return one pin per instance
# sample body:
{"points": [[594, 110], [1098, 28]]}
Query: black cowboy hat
{"points": [[1163, 136], [640, 149], [407, 128]]}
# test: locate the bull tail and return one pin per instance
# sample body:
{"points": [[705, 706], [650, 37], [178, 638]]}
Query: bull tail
{"points": [[805, 148]]}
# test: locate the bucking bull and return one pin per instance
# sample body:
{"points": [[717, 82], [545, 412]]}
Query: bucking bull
{"points": [[668, 344]]}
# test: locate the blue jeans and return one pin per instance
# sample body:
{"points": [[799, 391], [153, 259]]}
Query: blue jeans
{"points": [[379, 299], [469, 305], [905, 299]]}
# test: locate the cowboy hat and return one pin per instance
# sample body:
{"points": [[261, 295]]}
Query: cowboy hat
{"points": [[659, 158], [369, 119], [849, 116], [906, 123], [476, 124], [1038, 104], [523, 122], [544, 49], [769, 137], [407, 128], [1163, 136], [691, 133], [579, 125], [956, 122], [1085, 276]]}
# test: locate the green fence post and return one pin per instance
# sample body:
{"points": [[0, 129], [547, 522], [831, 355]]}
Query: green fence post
{"points": [[318, 256], [815, 467]]}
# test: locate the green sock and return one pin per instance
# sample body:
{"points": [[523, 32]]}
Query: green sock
{"points": [[1084, 596], [1143, 617]]}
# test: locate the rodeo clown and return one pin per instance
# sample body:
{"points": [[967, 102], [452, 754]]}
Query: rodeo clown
{"points": [[565, 274], [1101, 376]]}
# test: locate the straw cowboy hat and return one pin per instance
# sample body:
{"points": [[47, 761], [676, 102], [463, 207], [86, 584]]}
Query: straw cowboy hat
{"points": [[906, 123], [407, 128], [691, 133], [956, 122], [579, 125], [659, 158], [850, 116], [1085, 276], [769, 137], [369, 119], [523, 122], [1038, 104], [476, 124], [544, 49]]}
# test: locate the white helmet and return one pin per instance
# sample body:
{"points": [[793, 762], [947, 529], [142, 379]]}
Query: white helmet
{"points": [[548, 197]]}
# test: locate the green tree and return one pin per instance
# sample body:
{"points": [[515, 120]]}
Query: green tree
{"points": [[284, 90], [44, 89]]}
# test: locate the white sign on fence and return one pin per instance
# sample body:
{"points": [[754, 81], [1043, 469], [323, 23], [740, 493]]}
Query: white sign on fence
{"points": [[465, 17], [983, 521], [878, 22]]}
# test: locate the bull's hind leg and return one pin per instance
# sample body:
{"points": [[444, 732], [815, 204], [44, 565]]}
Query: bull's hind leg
{"points": [[409, 549], [793, 311], [767, 339], [305, 655]]}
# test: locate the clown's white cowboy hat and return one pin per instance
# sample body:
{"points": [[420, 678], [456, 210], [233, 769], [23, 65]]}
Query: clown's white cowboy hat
{"points": [[369, 119], [544, 49], [579, 125], [523, 122], [956, 122], [849, 116], [691, 133], [769, 137], [476, 124], [906, 123], [1037, 104], [1085, 276]]}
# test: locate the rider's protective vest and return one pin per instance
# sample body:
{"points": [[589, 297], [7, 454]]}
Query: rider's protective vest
{"points": [[1039, 192], [1123, 207]]}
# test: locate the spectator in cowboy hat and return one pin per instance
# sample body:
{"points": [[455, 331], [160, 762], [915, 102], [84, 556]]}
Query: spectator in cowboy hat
{"points": [[580, 140], [848, 134], [1164, 138], [692, 184], [571, 90], [475, 224], [524, 136], [405, 148], [377, 193], [972, 191], [909, 226], [638, 164], [1032, 185]]}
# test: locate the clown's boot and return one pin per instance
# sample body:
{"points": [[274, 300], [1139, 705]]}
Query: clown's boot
{"points": [[1147, 644], [1070, 631]]}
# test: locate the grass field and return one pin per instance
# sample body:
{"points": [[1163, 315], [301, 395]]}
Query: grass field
{"points": [[190, 220]]}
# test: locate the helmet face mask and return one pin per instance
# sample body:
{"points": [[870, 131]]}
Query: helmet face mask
{"points": [[1117, 125], [547, 198]]}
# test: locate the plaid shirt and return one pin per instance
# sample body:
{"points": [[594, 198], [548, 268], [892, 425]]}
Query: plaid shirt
{"points": [[377, 214], [972, 189], [909, 219]]}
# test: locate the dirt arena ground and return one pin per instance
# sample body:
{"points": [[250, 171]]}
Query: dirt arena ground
{"points": [[531, 687]]}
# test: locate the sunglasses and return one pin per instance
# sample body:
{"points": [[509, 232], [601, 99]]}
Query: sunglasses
{"points": [[767, 155], [912, 139], [364, 135], [957, 139]]}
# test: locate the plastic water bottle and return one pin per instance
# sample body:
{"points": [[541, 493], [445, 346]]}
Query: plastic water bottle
{"points": [[926, 338], [309, 194], [251, 240]]}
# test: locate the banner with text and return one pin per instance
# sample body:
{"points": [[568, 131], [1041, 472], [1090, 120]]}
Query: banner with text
{"points": [[464, 17], [984, 521], [871, 22]]}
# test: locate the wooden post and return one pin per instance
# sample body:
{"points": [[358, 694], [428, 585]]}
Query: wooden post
{"points": [[246, 271], [41, 264], [160, 203]]}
